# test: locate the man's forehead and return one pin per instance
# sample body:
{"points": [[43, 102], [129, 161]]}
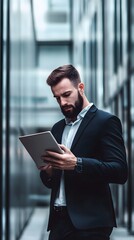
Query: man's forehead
{"points": [[63, 86]]}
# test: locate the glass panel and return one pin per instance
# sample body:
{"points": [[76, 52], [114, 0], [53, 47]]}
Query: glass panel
{"points": [[117, 36], [125, 135], [5, 224], [46, 106], [100, 56], [22, 115], [132, 153], [52, 20], [93, 61], [1, 111], [109, 81], [124, 31], [132, 33]]}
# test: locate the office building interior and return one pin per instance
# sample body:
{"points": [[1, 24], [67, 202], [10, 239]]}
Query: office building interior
{"points": [[36, 36]]}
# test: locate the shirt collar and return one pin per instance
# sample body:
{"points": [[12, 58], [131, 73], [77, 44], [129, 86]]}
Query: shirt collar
{"points": [[80, 115]]}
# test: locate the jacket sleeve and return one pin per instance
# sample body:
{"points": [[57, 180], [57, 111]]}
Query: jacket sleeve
{"points": [[46, 180], [111, 166]]}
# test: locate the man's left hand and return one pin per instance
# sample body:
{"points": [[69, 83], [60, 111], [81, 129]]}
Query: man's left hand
{"points": [[65, 161]]}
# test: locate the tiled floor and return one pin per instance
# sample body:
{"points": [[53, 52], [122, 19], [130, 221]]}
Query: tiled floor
{"points": [[37, 228], [121, 234]]}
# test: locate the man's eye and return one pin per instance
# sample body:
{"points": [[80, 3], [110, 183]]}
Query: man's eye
{"points": [[67, 95]]}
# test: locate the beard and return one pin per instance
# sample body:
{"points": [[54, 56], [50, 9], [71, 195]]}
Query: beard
{"points": [[75, 110]]}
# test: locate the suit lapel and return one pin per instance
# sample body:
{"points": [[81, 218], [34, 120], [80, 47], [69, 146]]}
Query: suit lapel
{"points": [[88, 117], [58, 134]]}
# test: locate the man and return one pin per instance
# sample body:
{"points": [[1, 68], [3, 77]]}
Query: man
{"points": [[93, 156]]}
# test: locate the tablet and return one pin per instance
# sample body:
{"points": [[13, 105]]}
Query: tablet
{"points": [[36, 144]]}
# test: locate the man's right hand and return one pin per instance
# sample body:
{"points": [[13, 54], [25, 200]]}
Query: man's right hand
{"points": [[48, 169]]}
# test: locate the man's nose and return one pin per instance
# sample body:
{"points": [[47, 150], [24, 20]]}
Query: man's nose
{"points": [[63, 101]]}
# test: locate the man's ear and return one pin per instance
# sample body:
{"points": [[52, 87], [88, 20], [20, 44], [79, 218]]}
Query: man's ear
{"points": [[81, 87]]}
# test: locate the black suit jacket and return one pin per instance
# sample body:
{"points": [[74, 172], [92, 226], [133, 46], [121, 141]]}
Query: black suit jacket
{"points": [[99, 143]]}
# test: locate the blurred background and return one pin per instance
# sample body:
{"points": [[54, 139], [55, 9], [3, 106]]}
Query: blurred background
{"points": [[36, 36]]}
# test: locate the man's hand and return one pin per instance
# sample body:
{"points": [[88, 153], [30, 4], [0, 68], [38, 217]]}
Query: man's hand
{"points": [[48, 169], [65, 161]]}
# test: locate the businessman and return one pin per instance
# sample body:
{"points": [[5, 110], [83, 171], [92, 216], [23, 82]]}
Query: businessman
{"points": [[81, 206]]}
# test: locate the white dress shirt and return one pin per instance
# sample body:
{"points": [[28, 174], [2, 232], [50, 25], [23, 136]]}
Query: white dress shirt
{"points": [[67, 139]]}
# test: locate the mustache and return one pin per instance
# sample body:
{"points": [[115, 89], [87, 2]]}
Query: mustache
{"points": [[67, 106]]}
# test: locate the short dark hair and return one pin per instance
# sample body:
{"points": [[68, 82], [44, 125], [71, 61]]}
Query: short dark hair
{"points": [[65, 71]]}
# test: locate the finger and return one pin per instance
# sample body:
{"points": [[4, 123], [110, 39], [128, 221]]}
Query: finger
{"points": [[64, 148], [54, 155], [44, 167], [52, 161], [44, 155]]}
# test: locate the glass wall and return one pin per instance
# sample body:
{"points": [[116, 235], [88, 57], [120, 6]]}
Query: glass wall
{"points": [[131, 72], [46, 106], [131, 169], [103, 40], [54, 48], [22, 112], [115, 46], [26, 103], [88, 47], [18, 111], [1, 106]]}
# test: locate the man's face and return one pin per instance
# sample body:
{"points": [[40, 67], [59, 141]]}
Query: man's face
{"points": [[69, 98]]}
